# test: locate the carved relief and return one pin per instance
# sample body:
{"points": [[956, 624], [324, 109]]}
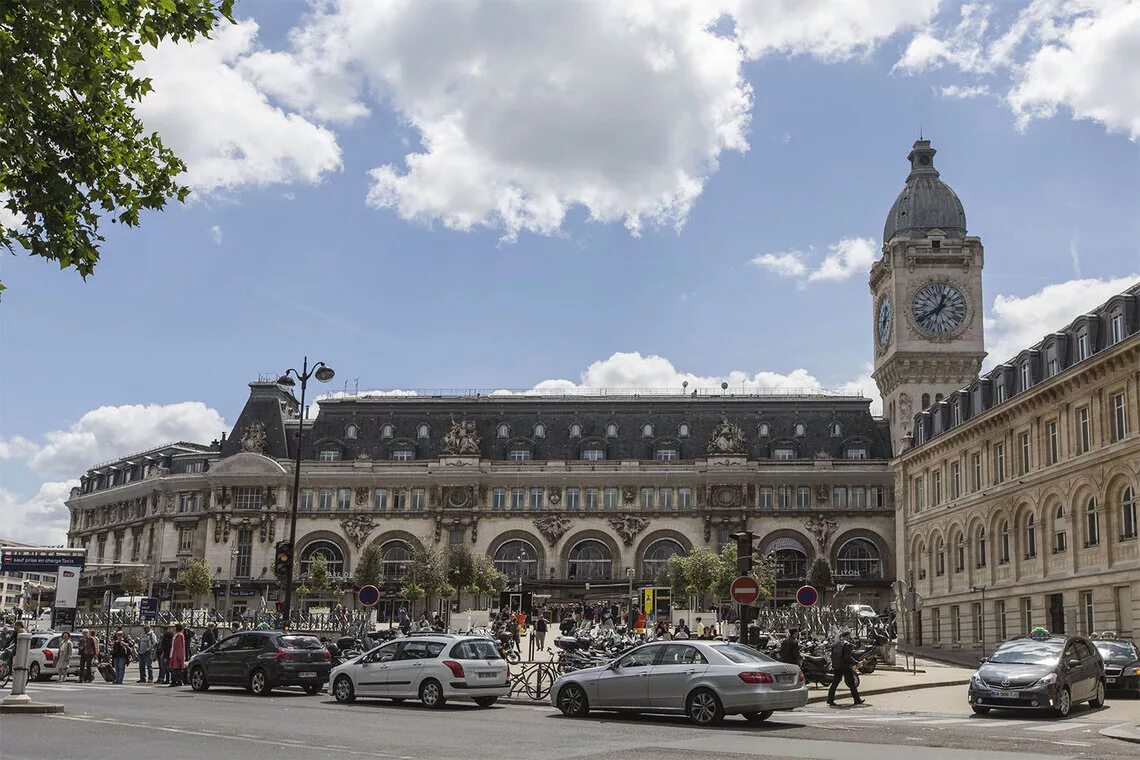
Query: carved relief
{"points": [[629, 495], [821, 493], [253, 439], [218, 527], [552, 527], [461, 439], [727, 438], [474, 528], [361, 498], [821, 529], [263, 529], [357, 528], [554, 496], [725, 496], [628, 526], [459, 497]]}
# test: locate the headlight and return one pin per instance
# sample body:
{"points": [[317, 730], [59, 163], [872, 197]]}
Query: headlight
{"points": [[1048, 680], [975, 680], [1133, 671]]}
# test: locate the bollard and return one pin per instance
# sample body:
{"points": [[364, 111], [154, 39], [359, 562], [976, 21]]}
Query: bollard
{"points": [[20, 671]]}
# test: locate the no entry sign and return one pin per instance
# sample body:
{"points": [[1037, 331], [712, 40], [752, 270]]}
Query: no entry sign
{"points": [[807, 595], [368, 595], [745, 590]]}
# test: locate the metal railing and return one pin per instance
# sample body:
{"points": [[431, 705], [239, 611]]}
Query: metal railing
{"points": [[497, 393]]}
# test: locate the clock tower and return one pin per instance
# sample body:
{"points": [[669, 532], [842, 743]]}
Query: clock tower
{"points": [[926, 298]]}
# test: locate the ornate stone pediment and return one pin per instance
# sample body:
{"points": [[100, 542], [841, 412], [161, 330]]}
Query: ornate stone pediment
{"points": [[552, 527], [727, 438], [461, 439], [358, 528], [628, 526]]}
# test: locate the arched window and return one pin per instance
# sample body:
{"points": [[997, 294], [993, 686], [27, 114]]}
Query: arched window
{"points": [[657, 557], [423, 431], [387, 430], [938, 398], [1092, 524], [611, 430], [327, 549], [765, 429], [517, 559], [540, 430], [350, 431], [790, 562], [590, 559], [1030, 538], [1004, 558], [575, 430], [1128, 514], [836, 430], [395, 556], [981, 548], [859, 557], [925, 400], [683, 430], [960, 554], [801, 430], [1060, 539], [647, 430], [503, 430]]}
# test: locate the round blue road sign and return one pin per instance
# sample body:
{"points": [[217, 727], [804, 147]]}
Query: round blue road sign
{"points": [[807, 595], [368, 595]]}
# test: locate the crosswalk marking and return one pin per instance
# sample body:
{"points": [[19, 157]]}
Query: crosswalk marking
{"points": [[942, 721], [1057, 727]]}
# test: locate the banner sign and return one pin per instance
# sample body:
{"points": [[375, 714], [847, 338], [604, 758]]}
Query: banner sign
{"points": [[67, 587], [34, 560], [63, 619], [148, 608]]}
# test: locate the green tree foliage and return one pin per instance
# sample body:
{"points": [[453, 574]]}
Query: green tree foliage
{"points": [[195, 580], [134, 583], [460, 568], [487, 580], [71, 148], [701, 570], [820, 575], [317, 578], [370, 567], [673, 576], [428, 567]]}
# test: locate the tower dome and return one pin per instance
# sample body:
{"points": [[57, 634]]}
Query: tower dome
{"points": [[926, 202]]}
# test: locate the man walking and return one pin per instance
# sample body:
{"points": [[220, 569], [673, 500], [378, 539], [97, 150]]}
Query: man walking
{"points": [[164, 645], [540, 627], [790, 648], [843, 663], [64, 661], [148, 643], [88, 653], [209, 636]]}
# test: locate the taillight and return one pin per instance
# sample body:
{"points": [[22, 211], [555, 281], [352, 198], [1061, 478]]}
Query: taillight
{"points": [[328, 655], [282, 654], [755, 676], [455, 668], [49, 655], [800, 677]]}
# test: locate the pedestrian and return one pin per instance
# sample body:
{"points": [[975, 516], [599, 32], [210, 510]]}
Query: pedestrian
{"points": [[148, 643], [178, 657], [662, 631], [681, 631], [843, 664], [63, 658], [164, 647], [88, 653], [188, 632], [120, 656], [209, 636], [790, 648], [540, 627]]}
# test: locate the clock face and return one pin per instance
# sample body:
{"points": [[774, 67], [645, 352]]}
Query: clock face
{"points": [[939, 308], [884, 320]]}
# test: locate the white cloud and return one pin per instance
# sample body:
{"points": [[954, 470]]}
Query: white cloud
{"points": [[962, 92], [43, 519], [221, 124], [1016, 323], [524, 111], [9, 220], [961, 47], [847, 258], [16, 447], [216, 234]]}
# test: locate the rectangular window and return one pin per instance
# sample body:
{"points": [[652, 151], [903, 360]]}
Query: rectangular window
{"points": [[185, 503], [418, 500], [665, 455], [591, 499], [1084, 428], [839, 497], [647, 498], [536, 498], [803, 497], [306, 499], [979, 629], [102, 547], [955, 480], [573, 499], [1025, 379], [935, 488], [975, 471], [936, 625], [136, 545], [328, 455], [1051, 367], [593, 455], [1053, 443], [1119, 418], [518, 499], [247, 498], [611, 498], [243, 564], [876, 498], [956, 414], [999, 393], [1002, 625], [1026, 613], [766, 497], [519, 455], [399, 500], [402, 455], [783, 454], [1023, 448], [684, 498], [919, 494], [380, 499], [1082, 346], [857, 453], [1088, 613], [118, 548], [325, 502], [456, 536], [1060, 542], [666, 496], [785, 494], [344, 498], [499, 499], [1116, 328], [196, 466], [955, 623], [999, 463], [185, 541]]}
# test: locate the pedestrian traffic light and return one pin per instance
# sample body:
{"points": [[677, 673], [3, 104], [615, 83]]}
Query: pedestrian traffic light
{"points": [[284, 558]]}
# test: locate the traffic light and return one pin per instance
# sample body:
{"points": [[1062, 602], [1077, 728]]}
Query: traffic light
{"points": [[284, 558]]}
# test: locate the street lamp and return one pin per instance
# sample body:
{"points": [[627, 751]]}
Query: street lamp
{"points": [[230, 586], [982, 618], [323, 373]]}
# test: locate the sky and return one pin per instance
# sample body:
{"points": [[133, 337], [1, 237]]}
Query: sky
{"points": [[461, 195]]}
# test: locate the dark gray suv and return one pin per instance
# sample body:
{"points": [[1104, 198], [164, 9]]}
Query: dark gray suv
{"points": [[1039, 672], [261, 661]]}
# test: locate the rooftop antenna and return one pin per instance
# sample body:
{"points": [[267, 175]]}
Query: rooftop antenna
{"points": [[920, 131]]}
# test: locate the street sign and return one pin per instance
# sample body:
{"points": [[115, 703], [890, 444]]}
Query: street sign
{"points": [[148, 608], [745, 590], [368, 595], [899, 586], [913, 601], [807, 595], [40, 560]]}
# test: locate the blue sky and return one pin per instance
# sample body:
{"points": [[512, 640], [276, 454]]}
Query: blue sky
{"points": [[779, 131]]}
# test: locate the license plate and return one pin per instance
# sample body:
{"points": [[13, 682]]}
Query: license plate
{"points": [[487, 675], [1111, 680], [786, 678], [1003, 694], [309, 674]]}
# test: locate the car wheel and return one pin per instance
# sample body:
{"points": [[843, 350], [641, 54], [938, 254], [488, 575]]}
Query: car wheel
{"points": [[1098, 700], [34, 671], [757, 717], [1064, 703], [198, 680], [572, 701], [486, 701], [343, 690], [981, 710], [704, 708], [431, 694], [312, 688], [259, 683]]}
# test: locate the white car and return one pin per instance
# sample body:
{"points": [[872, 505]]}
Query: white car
{"points": [[43, 655], [430, 667]]}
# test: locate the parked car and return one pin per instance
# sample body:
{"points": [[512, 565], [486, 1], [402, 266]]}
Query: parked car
{"points": [[262, 661], [1039, 672], [43, 655], [430, 667], [705, 680], [1121, 665]]}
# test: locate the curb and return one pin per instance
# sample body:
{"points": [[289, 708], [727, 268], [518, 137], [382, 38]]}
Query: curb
{"points": [[31, 708], [1125, 732]]}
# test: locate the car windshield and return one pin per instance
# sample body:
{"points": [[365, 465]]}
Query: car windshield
{"points": [[300, 642], [1115, 649], [1046, 653], [741, 653]]}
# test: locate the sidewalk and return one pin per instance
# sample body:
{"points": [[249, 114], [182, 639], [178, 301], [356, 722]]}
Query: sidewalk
{"points": [[966, 658], [1125, 732], [891, 681]]}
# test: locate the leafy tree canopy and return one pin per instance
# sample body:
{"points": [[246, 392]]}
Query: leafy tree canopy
{"points": [[71, 148], [370, 567], [318, 575], [195, 580]]}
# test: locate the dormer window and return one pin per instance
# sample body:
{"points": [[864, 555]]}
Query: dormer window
{"points": [[956, 413], [575, 430], [611, 430], [540, 430], [593, 454], [683, 430], [647, 430], [350, 431], [387, 431], [765, 429], [328, 455], [423, 431], [1082, 345], [1026, 376], [402, 455], [801, 430], [519, 455], [836, 430], [503, 430], [1116, 327], [858, 452]]}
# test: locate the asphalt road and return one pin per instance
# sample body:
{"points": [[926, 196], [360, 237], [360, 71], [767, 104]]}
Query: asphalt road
{"points": [[146, 721]]}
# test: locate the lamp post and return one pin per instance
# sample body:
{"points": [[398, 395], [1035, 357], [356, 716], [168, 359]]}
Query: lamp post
{"points": [[982, 619], [323, 373], [230, 586]]}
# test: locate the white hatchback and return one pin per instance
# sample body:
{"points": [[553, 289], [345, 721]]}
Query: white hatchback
{"points": [[430, 667]]}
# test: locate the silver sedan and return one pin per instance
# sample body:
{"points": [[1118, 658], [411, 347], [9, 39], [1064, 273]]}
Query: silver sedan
{"points": [[705, 680]]}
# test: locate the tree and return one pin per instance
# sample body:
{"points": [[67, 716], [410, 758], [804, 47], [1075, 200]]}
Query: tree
{"points": [[700, 566], [487, 580], [370, 567], [195, 580], [318, 576], [461, 570], [134, 583], [73, 149], [820, 575]]}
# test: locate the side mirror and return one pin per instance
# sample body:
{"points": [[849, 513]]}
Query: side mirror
{"points": [[1073, 662], [983, 660], [614, 666]]}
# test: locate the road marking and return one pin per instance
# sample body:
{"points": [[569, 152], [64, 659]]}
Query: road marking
{"points": [[1057, 727], [942, 721]]}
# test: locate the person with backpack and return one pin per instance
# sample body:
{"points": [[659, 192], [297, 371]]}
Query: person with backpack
{"points": [[164, 645], [120, 656], [148, 643], [843, 663], [88, 654], [790, 648]]}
